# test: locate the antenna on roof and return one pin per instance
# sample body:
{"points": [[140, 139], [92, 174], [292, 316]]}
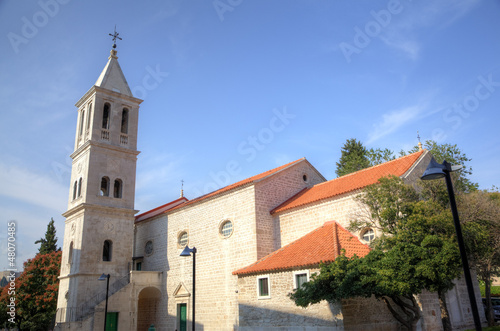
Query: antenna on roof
{"points": [[419, 143], [182, 188], [115, 36]]}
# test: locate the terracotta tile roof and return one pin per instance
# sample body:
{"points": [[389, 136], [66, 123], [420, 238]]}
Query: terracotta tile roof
{"points": [[241, 183], [350, 182], [161, 209], [321, 245]]}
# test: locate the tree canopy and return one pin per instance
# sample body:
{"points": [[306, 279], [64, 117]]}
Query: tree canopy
{"points": [[49, 243], [417, 251], [354, 157]]}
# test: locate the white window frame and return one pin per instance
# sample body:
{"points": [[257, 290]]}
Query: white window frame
{"points": [[299, 272], [268, 296]]}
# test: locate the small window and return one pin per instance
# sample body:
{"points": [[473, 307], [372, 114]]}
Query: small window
{"points": [[183, 239], [79, 193], [263, 291], [304, 178], [124, 121], [117, 191], [148, 249], [105, 116], [368, 235], [104, 192], [138, 266], [226, 229], [299, 278], [75, 188], [107, 250]]}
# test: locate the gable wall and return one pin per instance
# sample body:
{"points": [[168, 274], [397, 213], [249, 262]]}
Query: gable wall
{"points": [[216, 257], [299, 221], [273, 191]]}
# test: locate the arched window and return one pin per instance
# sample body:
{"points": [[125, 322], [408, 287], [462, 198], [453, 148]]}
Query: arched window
{"points": [[82, 119], [107, 250], [124, 121], [89, 114], [104, 192], [70, 256], [79, 194], [117, 191], [105, 116], [75, 187]]}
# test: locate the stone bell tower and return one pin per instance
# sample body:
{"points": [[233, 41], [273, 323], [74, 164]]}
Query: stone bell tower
{"points": [[98, 235]]}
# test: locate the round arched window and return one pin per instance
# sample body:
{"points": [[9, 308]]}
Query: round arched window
{"points": [[183, 239], [226, 229], [368, 235]]}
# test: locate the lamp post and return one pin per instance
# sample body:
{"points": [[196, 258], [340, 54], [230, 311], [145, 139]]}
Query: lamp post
{"points": [[187, 252], [106, 278], [434, 171]]}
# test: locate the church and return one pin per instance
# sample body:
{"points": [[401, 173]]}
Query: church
{"points": [[226, 260]]}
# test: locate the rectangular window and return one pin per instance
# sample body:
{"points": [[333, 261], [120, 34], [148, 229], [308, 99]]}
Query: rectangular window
{"points": [[299, 278], [263, 290]]}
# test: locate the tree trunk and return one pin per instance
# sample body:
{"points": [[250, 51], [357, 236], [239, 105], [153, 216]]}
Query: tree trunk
{"points": [[487, 293], [445, 316], [406, 311]]}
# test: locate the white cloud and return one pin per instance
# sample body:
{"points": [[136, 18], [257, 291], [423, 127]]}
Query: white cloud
{"points": [[32, 188], [392, 121], [401, 33]]}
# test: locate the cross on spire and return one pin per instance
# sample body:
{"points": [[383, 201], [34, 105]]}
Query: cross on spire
{"points": [[115, 36], [419, 143]]}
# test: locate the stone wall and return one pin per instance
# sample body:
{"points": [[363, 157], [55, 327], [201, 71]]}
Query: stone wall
{"points": [[295, 223], [279, 312]]}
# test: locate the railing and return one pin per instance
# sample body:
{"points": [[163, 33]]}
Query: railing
{"points": [[75, 314], [123, 139], [105, 134]]}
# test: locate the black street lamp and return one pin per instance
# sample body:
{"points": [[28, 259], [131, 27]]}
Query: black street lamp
{"points": [[434, 171], [106, 278], [187, 252]]}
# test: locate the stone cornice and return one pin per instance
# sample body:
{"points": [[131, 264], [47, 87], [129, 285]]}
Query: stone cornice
{"points": [[94, 89], [89, 143], [113, 210]]}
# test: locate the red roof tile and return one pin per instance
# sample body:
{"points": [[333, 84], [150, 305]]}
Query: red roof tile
{"points": [[241, 183], [350, 182], [321, 245], [161, 209]]}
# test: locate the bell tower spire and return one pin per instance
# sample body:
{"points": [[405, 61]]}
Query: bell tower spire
{"points": [[98, 233]]}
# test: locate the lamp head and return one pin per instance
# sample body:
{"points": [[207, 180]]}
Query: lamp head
{"points": [[103, 277], [436, 170], [187, 251]]}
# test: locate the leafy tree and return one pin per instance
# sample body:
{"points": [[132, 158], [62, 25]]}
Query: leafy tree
{"points": [[49, 243], [354, 157], [416, 252], [436, 189], [378, 156], [3, 282], [480, 213]]}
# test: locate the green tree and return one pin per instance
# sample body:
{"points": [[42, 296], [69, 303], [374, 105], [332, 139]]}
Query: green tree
{"points": [[378, 156], [354, 157], [436, 189], [36, 292], [417, 251], [49, 243], [480, 215]]}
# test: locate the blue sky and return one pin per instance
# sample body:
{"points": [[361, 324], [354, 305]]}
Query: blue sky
{"points": [[233, 88]]}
